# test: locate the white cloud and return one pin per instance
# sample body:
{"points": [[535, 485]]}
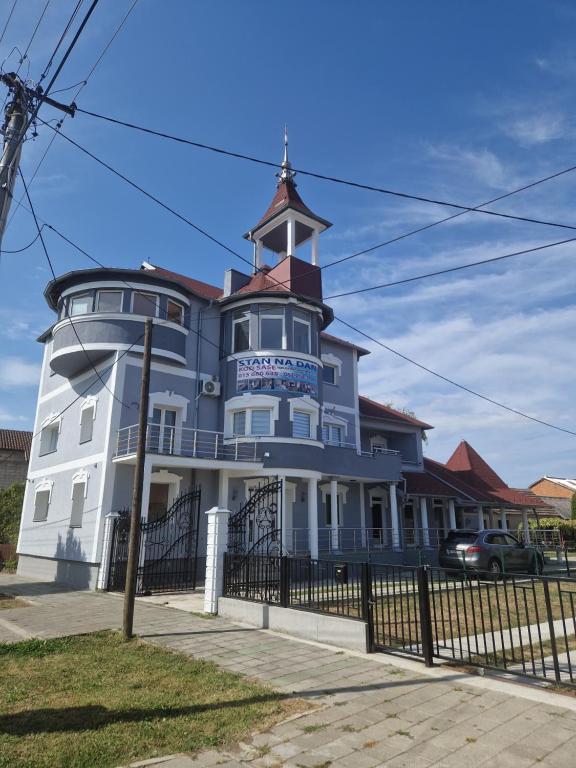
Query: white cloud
{"points": [[18, 373], [482, 164], [537, 129]]}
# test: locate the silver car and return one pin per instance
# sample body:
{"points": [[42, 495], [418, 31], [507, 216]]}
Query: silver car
{"points": [[490, 552]]}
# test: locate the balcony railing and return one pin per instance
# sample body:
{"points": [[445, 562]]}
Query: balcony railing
{"points": [[188, 443], [340, 540], [353, 447]]}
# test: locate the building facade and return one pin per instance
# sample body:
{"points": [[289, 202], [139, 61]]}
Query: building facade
{"points": [[558, 492], [246, 384], [14, 456]]}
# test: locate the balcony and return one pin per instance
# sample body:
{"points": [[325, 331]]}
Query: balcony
{"points": [[186, 442]]}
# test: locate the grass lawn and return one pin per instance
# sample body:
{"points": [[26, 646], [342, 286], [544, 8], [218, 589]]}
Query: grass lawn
{"points": [[91, 700]]}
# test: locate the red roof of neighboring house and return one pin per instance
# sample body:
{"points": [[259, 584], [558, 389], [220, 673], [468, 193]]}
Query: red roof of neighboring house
{"points": [[459, 486], [472, 467], [285, 197], [16, 440], [373, 410], [329, 337], [204, 290]]}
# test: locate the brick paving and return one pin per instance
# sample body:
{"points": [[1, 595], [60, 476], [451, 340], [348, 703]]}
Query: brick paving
{"points": [[370, 713]]}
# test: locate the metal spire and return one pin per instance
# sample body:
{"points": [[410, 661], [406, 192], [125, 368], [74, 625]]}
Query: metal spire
{"points": [[287, 174]]}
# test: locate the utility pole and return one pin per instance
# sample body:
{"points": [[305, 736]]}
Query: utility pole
{"points": [[16, 122], [136, 512]]}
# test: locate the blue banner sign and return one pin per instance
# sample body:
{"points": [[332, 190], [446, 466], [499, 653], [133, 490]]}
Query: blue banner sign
{"points": [[277, 374]]}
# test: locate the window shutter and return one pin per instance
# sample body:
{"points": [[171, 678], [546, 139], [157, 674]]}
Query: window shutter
{"points": [[87, 425], [41, 501], [260, 422], [77, 513]]}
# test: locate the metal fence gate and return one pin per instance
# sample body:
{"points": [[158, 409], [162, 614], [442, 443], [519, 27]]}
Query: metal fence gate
{"points": [[168, 550]]}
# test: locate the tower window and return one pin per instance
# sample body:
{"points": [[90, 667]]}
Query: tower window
{"points": [[81, 305], [239, 423], [175, 312], [260, 422], [272, 332], [241, 331], [301, 331], [144, 304], [109, 301], [301, 424]]}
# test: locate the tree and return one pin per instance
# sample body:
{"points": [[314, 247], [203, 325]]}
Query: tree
{"points": [[11, 500], [574, 506]]}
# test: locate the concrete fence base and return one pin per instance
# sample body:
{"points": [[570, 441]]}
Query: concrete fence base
{"points": [[350, 634]]}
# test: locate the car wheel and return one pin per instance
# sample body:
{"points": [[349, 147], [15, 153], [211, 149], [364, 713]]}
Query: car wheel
{"points": [[494, 568]]}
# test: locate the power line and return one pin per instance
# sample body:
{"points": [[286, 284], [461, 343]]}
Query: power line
{"points": [[335, 179], [20, 250], [60, 41], [452, 269], [8, 20], [233, 252]]}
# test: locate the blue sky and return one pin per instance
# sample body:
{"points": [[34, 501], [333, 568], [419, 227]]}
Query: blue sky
{"points": [[458, 101]]}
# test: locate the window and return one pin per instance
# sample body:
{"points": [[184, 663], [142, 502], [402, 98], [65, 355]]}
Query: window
{"points": [[87, 423], [49, 438], [109, 301], [301, 331], [260, 421], [78, 496], [379, 444], [175, 312], [144, 304], [41, 502], [80, 305], [272, 329], [239, 423], [332, 434], [301, 424], [329, 374], [241, 331], [162, 431]]}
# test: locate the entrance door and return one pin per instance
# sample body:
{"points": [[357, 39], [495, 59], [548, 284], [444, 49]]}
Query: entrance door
{"points": [[158, 505]]}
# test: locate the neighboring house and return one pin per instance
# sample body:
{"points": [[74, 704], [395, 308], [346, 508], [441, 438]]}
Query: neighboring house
{"points": [[556, 491], [14, 456], [246, 384]]}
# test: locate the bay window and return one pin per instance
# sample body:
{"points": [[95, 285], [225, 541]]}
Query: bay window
{"points": [[272, 332], [301, 333], [252, 421], [109, 301], [80, 305], [144, 304], [260, 421], [239, 423], [301, 424], [175, 312], [241, 331]]}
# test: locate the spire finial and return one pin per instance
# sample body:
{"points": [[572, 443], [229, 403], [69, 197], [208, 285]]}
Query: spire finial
{"points": [[286, 174]]}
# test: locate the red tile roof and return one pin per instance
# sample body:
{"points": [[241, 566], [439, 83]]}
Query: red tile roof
{"points": [[204, 290], [291, 275], [285, 197], [472, 467], [370, 409], [16, 440]]}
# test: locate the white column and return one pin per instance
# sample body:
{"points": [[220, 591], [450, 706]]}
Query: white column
{"points": [[217, 541], [490, 518], [525, 526], [285, 533], [313, 517], [291, 237], [223, 489], [480, 513], [503, 520], [334, 514], [452, 514], [315, 259], [258, 254], [363, 514], [424, 521], [104, 569], [394, 517]]}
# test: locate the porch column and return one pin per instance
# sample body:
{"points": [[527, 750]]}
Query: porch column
{"points": [[315, 247], [525, 526], [285, 533], [452, 514], [291, 237], [424, 521], [490, 518], [313, 517], [334, 514], [480, 513], [258, 254], [363, 514], [223, 489], [503, 521], [394, 517]]}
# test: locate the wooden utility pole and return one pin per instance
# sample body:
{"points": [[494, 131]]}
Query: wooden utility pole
{"points": [[136, 513]]}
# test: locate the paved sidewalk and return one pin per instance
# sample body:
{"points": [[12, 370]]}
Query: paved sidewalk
{"points": [[371, 712]]}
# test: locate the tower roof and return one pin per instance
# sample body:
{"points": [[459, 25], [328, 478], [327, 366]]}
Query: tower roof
{"points": [[471, 465]]}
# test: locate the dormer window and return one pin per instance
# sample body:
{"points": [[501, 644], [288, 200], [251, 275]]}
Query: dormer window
{"points": [[80, 305], [241, 331], [109, 301]]}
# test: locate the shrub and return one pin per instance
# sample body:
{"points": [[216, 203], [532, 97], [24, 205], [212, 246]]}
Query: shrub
{"points": [[11, 500]]}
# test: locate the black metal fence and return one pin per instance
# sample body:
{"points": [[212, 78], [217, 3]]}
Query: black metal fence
{"points": [[517, 623]]}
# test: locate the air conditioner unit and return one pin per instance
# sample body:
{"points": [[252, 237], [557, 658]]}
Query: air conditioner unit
{"points": [[211, 388]]}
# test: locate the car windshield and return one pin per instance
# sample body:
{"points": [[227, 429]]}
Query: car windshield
{"points": [[461, 537]]}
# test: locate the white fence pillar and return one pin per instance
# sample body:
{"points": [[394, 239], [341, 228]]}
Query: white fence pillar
{"points": [[217, 542], [452, 514], [104, 570], [313, 517]]}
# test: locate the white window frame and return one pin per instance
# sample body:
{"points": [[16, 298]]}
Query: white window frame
{"points": [[247, 402], [250, 414], [43, 486], [52, 422], [80, 478], [182, 311], [307, 323], [172, 402], [335, 362], [329, 421], [246, 318], [268, 313], [109, 290], [328, 366], [89, 404], [234, 414], [73, 298], [307, 405], [145, 293]]}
